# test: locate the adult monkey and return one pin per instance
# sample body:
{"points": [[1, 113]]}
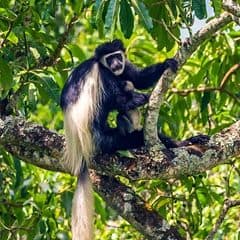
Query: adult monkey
{"points": [[93, 89]]}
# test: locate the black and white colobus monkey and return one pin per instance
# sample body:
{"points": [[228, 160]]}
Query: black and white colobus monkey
{"points": [[93, 89]]}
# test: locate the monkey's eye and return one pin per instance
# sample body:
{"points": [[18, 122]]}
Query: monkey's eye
{"points": [[117, 56]]}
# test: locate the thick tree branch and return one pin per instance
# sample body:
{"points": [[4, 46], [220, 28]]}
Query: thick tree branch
{"points": [[41, 147], [232, 7], [167, 78], [36, 145], [133, 208]]}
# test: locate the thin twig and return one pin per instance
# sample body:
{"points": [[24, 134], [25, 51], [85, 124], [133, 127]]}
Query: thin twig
{"points": [[8, 33], [226, 206], [12, 204], [62, 41], [26, 48], [236, 99], [13, 229], [162, 22], [185, 92], [221, 88], [228, 74]]}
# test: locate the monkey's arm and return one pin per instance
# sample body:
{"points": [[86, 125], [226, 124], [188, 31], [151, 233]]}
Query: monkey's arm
{"points": [[147, 77], [126, 103]]}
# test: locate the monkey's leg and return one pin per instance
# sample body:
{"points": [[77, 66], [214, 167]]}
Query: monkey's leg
{"points": [[129, 121], [167, 141], [111, 141], [170, 143], [124, 124], [135, 117]]}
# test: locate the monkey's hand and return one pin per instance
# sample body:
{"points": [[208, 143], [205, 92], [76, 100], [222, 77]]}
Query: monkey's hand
{"points": [[172, 64], [138, 99], [199, 139]]}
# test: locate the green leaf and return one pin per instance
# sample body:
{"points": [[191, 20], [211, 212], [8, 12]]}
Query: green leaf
{"points": [[173, 8], [13, 38], [143, 12], [52, 224], [161, 36], [161, 201], [188, 182], [47, 87], [77, 52], [62, 236], [218, 197], [43, 226], [230, 42], [40, 199], [100, 208], [199, 6], [8, 13], [126, 19], [19, 173], [217, 6], [162, 15], [77, 5], [99, 19], [6, 77], [205, 101], [127, 154], [204, 104], [67, 201], [203, 196], [38, 237], [111, 15], [51, 88]]}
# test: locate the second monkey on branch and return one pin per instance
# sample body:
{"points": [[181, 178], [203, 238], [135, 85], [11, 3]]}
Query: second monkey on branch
{"points": [[94, 89]]}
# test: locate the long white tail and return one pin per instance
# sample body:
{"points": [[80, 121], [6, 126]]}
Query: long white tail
{"points": [[78, 120], [82, 209]]}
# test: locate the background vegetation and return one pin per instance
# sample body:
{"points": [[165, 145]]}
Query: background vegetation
{"points": [[41, 41]]}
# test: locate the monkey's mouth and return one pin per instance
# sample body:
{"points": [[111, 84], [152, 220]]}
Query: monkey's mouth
{"points": [[118, 70]]}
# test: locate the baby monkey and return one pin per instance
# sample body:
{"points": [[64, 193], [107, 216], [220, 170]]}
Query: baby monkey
{"points": [[130, 120]]}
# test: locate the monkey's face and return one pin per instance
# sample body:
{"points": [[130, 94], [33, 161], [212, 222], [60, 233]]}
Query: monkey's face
{"points": [[114, 61]]}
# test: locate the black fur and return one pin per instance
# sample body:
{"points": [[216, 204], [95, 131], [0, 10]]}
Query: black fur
{"points": [[114, 98], [130, 99]]}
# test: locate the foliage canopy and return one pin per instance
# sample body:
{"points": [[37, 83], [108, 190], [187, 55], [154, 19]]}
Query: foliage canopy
{"points": [[41, 41]]}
